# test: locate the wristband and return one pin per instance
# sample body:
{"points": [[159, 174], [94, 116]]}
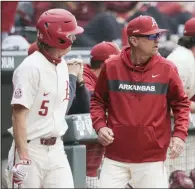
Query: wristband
{"points": [[81, 83]]}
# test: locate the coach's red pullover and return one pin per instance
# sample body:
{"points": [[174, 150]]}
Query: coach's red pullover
{"points": [[139, 101], [95, 151]]}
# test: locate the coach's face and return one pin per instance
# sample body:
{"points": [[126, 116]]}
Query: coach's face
{"points": [[147, 44]]}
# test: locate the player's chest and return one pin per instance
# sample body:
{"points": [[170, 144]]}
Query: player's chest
{"points": [[54, 83]]}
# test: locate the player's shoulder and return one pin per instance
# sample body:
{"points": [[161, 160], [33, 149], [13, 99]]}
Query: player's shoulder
{"points": [[28, 65], [32, 60], [112, 60], [63, 62], [180, 55], [168, 64]]}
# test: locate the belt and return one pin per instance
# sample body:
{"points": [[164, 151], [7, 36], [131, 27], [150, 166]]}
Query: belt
{"points": [[47, 141]]}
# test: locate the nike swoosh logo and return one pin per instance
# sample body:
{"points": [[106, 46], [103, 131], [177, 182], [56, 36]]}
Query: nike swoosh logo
{"points": [[45, 94], [153, 76]]}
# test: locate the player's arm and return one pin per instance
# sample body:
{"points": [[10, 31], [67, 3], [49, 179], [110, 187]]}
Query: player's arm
{"points": [[72, 88], [19, 129], [84, 91], [25, 82], [81, 102], [74, 68]]}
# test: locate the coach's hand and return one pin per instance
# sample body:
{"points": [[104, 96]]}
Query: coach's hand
{"points": [[105, 136], [20, 171], [176, 147]]}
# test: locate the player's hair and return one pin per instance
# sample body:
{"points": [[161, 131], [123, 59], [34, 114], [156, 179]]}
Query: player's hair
{"points": [[43, 46], [187, 42], [95, 64]]}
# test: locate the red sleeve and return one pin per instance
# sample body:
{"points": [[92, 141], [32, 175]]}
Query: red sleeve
{"points": [[8, 15], [88, 84], [180, 105], [99, 100]]}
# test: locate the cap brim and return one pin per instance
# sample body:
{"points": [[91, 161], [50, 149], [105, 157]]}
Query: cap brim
{"points": [[155, 31], [78, 30]]}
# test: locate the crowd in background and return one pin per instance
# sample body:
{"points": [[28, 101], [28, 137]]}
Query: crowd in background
{"points": [[102, 21]]}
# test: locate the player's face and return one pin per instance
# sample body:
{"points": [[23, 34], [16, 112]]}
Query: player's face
{"points": [[72, 37], [148, 45], [65, 51]]}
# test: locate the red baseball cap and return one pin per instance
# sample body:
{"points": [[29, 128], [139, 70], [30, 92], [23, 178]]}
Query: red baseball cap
{"points": [[103, 50], [189, 28], [32, 48], [143, 25]]}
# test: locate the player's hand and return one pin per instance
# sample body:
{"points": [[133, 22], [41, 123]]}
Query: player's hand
{"points": [[74, 66], [80, 75], [176, 147], [105, 136], [20, 171], [172, 115]]}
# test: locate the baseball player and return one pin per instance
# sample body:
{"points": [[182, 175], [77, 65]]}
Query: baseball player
{"points": [[184, 58], [138, 88], [74, 82], [40, 98]]}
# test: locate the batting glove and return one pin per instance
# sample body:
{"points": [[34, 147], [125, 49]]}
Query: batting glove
{"points": [[20, 171]]}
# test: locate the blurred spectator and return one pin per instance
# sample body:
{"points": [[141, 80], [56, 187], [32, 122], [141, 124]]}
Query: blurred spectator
{"points": [[104, 21], [25, 14], [169, 8], [40, 7], [107, 25], [122, 10], [8, 15], [176, 11], [15, 42], [83, 11], [103, 27]]}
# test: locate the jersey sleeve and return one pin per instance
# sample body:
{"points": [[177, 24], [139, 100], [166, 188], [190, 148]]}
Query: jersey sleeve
{"points": [[25, 86]]}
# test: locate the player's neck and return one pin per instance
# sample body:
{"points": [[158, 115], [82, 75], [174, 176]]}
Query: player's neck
{"points": [[54, 54], [193, 51]]}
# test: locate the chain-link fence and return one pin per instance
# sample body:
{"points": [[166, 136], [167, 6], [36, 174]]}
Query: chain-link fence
{"points": [[186, 161]]}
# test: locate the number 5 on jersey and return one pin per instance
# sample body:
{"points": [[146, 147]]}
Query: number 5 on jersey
{"points": [[44, 108]]}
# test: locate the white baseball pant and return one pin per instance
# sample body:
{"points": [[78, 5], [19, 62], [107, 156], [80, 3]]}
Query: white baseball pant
{"points": [[49, 169], [116, 174], [92, 182]]}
